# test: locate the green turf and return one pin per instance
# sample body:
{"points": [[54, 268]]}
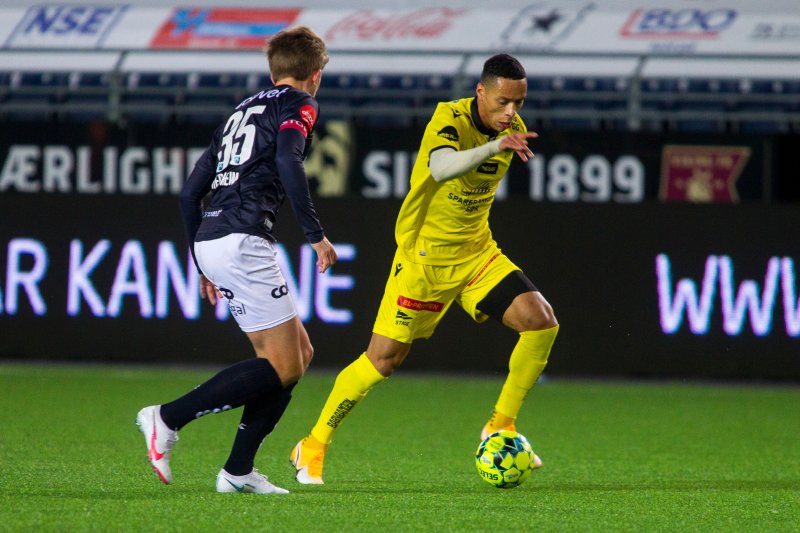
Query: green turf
{"points": [[618, 457]]}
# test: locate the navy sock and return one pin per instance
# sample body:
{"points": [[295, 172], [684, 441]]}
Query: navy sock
{"points": [[229, 389], [260, 417]]}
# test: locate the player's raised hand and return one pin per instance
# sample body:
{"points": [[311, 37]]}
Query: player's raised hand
{"points": [[519, 143], [326, 254], [209, 290]]}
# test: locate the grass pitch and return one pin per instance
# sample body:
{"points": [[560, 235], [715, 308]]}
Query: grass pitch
{"points": [[618, 457]]}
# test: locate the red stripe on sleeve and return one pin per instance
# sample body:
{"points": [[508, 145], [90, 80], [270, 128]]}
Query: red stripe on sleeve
{"points": [[296, 125]]}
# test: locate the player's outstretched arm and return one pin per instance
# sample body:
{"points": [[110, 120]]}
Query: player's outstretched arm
{"points": [[446, 162]]}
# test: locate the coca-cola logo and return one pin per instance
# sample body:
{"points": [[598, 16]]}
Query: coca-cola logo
{"points": [[368, 25]]}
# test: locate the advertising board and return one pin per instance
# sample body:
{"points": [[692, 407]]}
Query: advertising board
{"points": [[94, 264]]}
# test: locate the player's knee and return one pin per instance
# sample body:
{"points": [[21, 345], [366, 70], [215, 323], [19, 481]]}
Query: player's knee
{"points": [[291, 374], [386, 354], [386, 367], [540, 316], [387, 363]]}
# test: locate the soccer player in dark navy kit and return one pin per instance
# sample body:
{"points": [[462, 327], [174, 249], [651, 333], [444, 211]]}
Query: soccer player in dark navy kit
{"points": [[254, 162]]}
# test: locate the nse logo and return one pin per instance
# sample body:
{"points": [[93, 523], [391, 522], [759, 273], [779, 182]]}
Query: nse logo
{"points": [[680, 23], [71, 26]]}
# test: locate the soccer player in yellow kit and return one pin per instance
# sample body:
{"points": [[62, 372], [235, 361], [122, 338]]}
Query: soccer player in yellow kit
{"points": [[446, 253]]}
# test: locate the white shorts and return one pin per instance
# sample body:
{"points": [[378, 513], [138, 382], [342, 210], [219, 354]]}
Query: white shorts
{"points": [[245, 270]]}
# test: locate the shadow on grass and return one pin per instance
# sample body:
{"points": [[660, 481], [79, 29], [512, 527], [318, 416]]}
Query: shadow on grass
{"points": [[670, 486], [132, 494], [681, 486]]}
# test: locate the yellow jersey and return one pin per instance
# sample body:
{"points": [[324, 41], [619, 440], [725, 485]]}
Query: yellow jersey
{"points": [[446, 223]]}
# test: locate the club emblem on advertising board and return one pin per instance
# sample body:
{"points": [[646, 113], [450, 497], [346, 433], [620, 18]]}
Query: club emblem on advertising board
{"points": [[542, 25], [701, 174]]}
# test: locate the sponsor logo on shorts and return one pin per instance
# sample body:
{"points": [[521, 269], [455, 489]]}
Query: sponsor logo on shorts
{"points": [[237, 309], [449, 132], [417, 305], [227, 293], [280, 292], [402, 319]]}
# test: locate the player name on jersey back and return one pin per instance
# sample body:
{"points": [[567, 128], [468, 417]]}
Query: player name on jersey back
{"points": [[272, 93]]}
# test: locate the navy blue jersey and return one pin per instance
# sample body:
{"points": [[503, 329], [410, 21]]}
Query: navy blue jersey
{"points": [[254, 161]]}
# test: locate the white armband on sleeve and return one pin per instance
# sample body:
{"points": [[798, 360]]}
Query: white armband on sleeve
{"points": [[446, 163]]}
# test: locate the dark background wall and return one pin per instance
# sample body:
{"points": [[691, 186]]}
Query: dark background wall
{"points": [[596, 263]]}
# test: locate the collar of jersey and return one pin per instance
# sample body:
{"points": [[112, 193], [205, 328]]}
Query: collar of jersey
{"points": [[476, 119]]}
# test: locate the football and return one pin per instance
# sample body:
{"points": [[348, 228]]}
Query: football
{"points": [[504, 459]]}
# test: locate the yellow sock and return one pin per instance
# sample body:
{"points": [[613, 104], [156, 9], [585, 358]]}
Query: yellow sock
{"points": [[352, 384], [527, 361]]}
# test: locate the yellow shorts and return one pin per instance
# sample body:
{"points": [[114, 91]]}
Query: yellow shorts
{"points": [[417, 296]]}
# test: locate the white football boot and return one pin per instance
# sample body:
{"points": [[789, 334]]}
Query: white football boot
{"points": [[159, 439], [254, 482]]}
